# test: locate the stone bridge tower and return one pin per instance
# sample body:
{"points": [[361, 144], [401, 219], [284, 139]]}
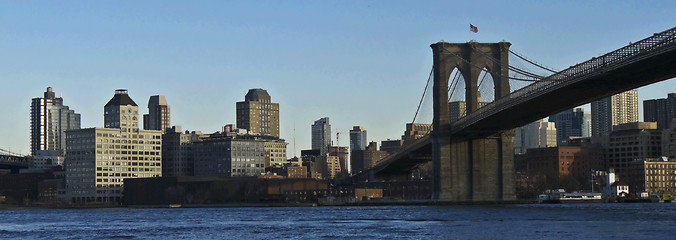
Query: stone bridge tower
{"points": [[470, 168]]}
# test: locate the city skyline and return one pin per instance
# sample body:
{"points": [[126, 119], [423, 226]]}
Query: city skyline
{"points": [[356, 65]]}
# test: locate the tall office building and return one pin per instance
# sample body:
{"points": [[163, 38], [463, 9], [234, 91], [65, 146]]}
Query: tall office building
{"points": [[177, 152], [357, 138], [321, 135], [571, 123], [121, 112], [158, 117], [537, 134], [630, 142], [99, 159], [258, 114], [50, 119], [661, 110], [229, 155], [614, 110]]}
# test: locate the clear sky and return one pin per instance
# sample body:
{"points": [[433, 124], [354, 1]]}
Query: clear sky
{"points": [[357, 62]]}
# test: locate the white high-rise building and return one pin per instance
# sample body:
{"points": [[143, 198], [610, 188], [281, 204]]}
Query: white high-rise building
{"points": [[614, 110], [534, 135], [50, 119], [99, 159]]}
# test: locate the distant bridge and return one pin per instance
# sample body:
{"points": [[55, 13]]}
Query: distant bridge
{"points": [[13, 161]]}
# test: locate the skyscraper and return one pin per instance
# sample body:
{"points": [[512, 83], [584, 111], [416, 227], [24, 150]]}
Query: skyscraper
{"points": [[158, 117], [614, 110], [121, 112], [661, 110], [258, 114], [49, 121], [243, 156], [321, 135], [571, 123], [177, 152], [357, 138]]}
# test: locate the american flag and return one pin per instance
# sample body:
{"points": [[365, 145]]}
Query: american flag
{"points": [[473, 28]]}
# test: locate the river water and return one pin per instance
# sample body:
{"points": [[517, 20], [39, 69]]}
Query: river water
{"points": [[541, 221]]}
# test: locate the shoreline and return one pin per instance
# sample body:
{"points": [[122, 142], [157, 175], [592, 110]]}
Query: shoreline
{"points": [[326, 204]]}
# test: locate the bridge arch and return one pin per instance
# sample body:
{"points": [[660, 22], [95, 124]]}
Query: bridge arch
{"points": [[469, 58]]}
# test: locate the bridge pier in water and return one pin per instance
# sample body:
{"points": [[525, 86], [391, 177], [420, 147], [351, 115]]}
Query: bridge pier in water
{"points": [[471, 167], [475, 169]]}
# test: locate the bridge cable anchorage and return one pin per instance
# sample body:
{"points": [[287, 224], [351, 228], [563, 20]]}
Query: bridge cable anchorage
{"points": [[456, 80], [496, 73], [532, 62], [423, 95], [510, 67]]}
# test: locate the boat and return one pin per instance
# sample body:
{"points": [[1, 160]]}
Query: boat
{"points": [[561, 196]]}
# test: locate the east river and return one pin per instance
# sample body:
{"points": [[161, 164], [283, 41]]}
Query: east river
{"points": [[533, 221]]}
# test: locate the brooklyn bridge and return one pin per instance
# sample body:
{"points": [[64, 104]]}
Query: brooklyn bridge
{"points": [[473, 158]]}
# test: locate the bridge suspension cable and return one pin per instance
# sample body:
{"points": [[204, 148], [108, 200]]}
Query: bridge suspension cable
{"points": [[496, 73], [456, 80], [7, 152], [482, 79], [510, 67], [423, 95], [464, 110], [532, 62]]}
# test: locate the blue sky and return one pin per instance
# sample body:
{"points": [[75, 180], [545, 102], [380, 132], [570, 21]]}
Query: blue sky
{"points": [[357, 62]]}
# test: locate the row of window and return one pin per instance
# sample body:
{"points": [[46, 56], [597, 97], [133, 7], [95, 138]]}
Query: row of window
{"points": [[115, 163], [129, 169], [118, 157], [116, 146]]}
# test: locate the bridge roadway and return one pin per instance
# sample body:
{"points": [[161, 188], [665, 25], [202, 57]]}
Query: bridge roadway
{"points": [[398, 165], [645, 62], [13, 163]]}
